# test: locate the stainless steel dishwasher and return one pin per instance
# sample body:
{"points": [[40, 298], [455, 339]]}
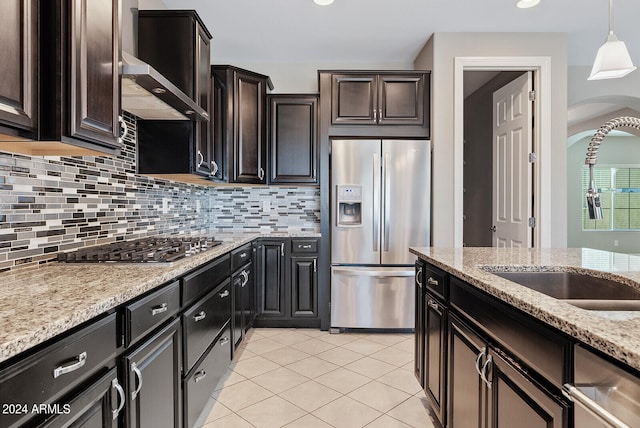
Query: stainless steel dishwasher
{"points": [[604, 394]]}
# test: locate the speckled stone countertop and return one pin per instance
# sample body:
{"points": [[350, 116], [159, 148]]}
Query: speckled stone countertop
{"points": [[38, 304], [616, 333]]}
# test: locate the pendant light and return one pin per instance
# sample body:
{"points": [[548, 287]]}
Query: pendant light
{"points": [[525, 4], [612, 60], [323, 2]]}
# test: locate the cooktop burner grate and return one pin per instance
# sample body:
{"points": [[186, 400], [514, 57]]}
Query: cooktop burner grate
{"points": [[145, 250]]}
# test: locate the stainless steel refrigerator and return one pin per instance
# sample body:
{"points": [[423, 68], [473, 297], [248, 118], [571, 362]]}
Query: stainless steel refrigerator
{"points": [[380, 206]]}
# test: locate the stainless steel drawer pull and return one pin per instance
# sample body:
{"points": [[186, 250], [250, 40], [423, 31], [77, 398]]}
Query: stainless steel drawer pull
{"points": [[201, 315], [419, 277], [433, 305], [199, 376], [485, 368], [432, 281], [479, 359], [577, 396], [80, 361], [282, 249], [136, 371], [243, 255], [115, 385], [304, 247], [224, 340], [224, 294], [245, 277], [315, 265], [159, 309]]}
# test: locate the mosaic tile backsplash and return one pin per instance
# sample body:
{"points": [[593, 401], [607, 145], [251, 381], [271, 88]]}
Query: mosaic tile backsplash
{"points": [[53, 204]]}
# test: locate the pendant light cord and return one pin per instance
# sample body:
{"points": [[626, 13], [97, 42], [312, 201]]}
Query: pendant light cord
{"points": [[610, 16]]}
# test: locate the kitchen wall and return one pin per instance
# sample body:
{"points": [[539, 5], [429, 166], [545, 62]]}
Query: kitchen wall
{"points": [[53, 204]]}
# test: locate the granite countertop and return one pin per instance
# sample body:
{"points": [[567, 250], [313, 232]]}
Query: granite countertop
{"points": [[38, 304], [616, 333]]}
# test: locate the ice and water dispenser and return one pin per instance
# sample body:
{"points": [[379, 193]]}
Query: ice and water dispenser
{"points": [[349, 205]]}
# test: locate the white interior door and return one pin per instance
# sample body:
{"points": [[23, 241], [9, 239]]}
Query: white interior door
{"points": [[512, 143]]}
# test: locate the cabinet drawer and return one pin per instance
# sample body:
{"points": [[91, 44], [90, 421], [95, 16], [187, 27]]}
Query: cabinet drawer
{"points": [[538, 346], [149, 312], [304, 246], [202, 323], [202, 382], [240, 256], [435, 281], [48, 375], [205, 279]]}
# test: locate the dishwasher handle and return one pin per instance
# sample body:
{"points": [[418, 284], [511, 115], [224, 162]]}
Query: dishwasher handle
{"points": [[579, 398]]}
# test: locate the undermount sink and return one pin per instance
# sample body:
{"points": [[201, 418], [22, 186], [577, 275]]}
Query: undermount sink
{"points": [[581, 290]]}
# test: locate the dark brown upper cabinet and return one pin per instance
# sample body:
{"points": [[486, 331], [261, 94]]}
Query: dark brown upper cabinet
{"points": [[293, 138], [73, 46], [19, 58], [178, 45], [376, 103], [243, 102]]}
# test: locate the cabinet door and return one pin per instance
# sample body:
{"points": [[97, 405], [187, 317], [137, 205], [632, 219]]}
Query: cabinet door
{"points": [[304, 286], [97, 406], [248, 298], [94, 71], [435, 365], [467, 391], [419, 346], [249, 145], [236, 319], [293, 139], [401, 99], [19, 58], [153, 372], [272, 281], [216, 129], [517, 401], [354, 99], [202, 82]]}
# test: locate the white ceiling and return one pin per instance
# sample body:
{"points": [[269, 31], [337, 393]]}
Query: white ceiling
{"points": [[396, 30]]}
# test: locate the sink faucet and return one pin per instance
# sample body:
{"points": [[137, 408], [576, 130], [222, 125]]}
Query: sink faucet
{"points": [[593, 198]]}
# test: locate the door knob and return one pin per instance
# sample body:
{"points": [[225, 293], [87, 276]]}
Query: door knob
{"points": [[492, 228]]}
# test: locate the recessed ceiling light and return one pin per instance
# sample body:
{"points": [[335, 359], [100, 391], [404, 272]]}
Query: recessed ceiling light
{"points": [[525, 4], [323, 2]]}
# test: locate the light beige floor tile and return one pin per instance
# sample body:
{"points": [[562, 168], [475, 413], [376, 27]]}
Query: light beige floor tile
{"points": [[310, 395], [312, 332], [286, 355], [340, 339], [379, 396], [406, 345], [409, 366], [263, 345], [268, 332], [393, 356], [255, 366], [312, 367], [346, 412], [414, 412], [230, 378], [218, 410], [370, 367], [274, 412], [403, 380], [241, 395], [313, 346], [229, 421], [242, 353], [386, 421], [364, 346], [386, 339], [308, 421], [343, 380], [290, 338], [279, 380], [340, 356]]}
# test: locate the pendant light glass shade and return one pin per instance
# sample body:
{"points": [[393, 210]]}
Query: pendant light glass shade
{"points": [[613, 59], [323, 2]]}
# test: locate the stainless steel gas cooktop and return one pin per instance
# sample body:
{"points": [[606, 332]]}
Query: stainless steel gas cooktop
{"points": [[145, 250]]}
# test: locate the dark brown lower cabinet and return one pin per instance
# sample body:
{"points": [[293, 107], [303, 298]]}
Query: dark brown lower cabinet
{"points": [[97, 406], [485, 390], [435, 354], [242, 282], [304, 286], [153, 374], [418, 355], [271, 279]]}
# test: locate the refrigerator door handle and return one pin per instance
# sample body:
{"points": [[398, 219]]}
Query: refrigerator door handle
{"points": [[376, 201], [379, 272], [387, 200]]}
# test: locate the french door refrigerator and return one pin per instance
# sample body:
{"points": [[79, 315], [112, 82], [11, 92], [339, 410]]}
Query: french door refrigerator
{"points": [[380, 206]]}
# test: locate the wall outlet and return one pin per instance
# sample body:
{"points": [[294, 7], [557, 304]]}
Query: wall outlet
{"points": [[615, 242], [266, 206], [165, 205]]}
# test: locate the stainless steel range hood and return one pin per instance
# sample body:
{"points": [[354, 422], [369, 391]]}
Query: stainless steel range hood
{"points": [[149, 95]]}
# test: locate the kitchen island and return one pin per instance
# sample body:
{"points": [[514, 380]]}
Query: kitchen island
{"points": [[488, 348]]}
